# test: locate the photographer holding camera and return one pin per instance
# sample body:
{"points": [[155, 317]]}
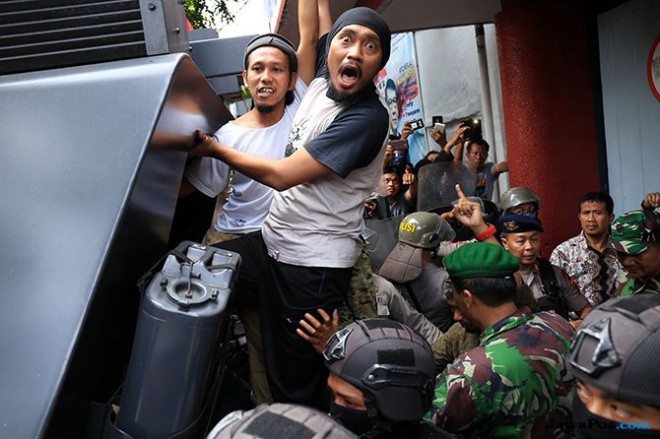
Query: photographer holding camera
{"points": [[485, 173]]}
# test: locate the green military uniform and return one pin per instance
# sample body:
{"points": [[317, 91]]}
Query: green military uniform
{"points": [[456, 341], [361, 298], [637, 286], [452, 344], [517, 373], [634, 233]]}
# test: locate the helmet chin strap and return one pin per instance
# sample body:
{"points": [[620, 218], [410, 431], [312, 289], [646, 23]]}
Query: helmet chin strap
{"points": [[372, 410]]}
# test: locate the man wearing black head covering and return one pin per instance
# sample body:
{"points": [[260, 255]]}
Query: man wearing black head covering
{"points": [[303, 256]]}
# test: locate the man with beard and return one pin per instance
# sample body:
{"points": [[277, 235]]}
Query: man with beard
{"points": [[303, 256], [516, 375], [277, 77]]}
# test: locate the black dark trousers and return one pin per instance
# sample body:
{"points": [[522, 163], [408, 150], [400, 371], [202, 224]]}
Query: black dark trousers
{"points": [[284, 293]]}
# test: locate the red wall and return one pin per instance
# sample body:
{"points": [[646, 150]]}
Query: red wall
{"points": [[548, 109]]}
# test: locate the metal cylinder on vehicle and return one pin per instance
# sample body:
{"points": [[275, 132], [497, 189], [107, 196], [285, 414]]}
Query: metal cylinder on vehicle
{"points": [[182, 318]]}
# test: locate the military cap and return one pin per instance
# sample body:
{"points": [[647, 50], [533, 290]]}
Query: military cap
{"points": [[480, 259], [519, 224], [635, 231]]}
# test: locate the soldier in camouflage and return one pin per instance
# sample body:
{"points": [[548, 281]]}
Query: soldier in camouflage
{"points": [[636, 238], [517, 375], [458, 340]]}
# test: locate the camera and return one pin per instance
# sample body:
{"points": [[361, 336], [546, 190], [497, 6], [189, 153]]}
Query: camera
{"points": [[416, 124], [438, 124], [474, 131]]}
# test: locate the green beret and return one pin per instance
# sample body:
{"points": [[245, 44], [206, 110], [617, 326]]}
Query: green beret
{"points": [[481, 259]]}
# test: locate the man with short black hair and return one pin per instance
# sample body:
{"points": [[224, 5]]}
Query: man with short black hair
{"points": [[589, 258], [517, 374], [396, 199], [485, 173]]}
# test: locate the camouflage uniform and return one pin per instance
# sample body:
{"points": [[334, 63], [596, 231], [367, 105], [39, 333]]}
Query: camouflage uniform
{"points": [[633, 233], [452, 344], [637, 286], [361, 298], [457, 340], [516, 375]]}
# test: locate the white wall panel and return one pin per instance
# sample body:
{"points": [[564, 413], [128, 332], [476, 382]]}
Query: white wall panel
{"points": [[631, 112]]}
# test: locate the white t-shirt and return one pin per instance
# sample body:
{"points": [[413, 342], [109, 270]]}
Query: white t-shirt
{"points": [[317, 224], [247, 207]]}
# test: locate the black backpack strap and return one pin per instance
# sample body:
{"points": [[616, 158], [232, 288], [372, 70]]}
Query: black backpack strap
{"points": [[551, 300], [413, 298], [548, 278]]}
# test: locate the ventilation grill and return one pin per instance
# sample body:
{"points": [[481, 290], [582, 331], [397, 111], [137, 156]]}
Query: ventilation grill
{"points": [[45, 34]]}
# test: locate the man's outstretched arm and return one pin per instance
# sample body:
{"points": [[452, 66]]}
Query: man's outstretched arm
{"points": [[299, 167], [308, 23]]}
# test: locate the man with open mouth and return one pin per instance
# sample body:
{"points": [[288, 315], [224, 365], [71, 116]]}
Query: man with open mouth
{"points": [[303, 256]]}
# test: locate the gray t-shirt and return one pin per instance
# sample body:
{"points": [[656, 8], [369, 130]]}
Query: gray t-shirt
{"points": [[318, 223], [484, 181]]}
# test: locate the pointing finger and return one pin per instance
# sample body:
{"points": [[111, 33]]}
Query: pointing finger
{"points": [[459, 192]]}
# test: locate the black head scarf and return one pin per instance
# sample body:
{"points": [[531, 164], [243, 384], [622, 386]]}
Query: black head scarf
{"points": [[364, 17]]}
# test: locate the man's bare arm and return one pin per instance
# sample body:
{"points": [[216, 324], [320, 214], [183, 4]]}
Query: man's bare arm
{"points": [[325, 18], [500, 167], [308, 23], [299, 167]]}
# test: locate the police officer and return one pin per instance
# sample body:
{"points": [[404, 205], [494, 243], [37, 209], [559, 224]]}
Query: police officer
{"points": [[636, 239], [614, 356], [520, 200], [411, 266], [551, 286], [381, 379]]}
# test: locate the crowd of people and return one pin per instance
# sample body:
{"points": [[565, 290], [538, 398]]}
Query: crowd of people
{"points": [[464, 330]]}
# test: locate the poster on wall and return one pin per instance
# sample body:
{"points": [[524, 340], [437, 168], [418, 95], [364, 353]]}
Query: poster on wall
{"points": [[653, 68], [398, 83]]}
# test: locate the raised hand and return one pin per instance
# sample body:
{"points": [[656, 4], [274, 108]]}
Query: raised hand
{"points": [[318, 333], [651, 201], [468, 212]]}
